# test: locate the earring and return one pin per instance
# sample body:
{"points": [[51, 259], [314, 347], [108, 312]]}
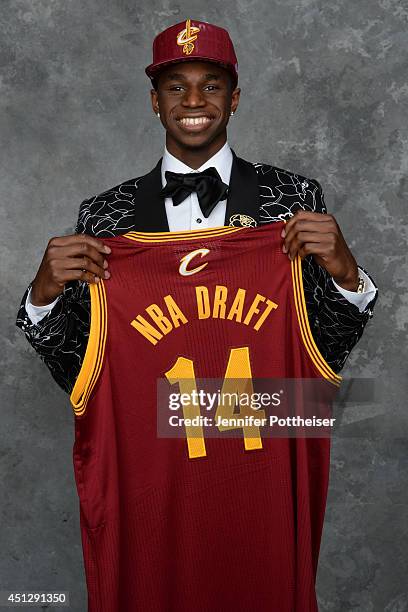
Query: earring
{"points": [[231, 113], [158, 114]]}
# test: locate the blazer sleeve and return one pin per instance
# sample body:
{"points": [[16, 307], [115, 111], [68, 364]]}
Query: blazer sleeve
{"points": [[336, 324], [61, 337]]}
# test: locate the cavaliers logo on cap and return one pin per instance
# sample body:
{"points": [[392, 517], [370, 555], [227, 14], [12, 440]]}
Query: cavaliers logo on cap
{"points": [[186, 37]]}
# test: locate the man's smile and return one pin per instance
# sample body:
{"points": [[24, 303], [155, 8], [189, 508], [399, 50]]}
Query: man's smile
{"points": [[194, 123]]}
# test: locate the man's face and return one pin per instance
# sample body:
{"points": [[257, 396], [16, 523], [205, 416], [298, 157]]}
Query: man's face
{"points": [[195, 100]]}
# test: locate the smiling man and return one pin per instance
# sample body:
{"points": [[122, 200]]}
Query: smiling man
{"points": [[194, 101], [201, 183]]}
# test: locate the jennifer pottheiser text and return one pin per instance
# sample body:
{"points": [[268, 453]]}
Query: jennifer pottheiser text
{"points": [[250, 420]]}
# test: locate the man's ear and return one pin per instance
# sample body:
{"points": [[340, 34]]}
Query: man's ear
{"points": [[155, 100], [235, 99]]}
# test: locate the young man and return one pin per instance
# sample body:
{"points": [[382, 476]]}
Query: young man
{"points": [[199, 183]]}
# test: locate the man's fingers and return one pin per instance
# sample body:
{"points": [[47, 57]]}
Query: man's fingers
{"points": [[325, 226], [67, 258], [84, 263], [312, 248], [311, 243], [306, 216], [80, 250], [68, 275], [309, 236], [80, 239]]}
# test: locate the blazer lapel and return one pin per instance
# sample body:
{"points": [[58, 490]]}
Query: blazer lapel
{"points": [[243, 193], [150, 212]]}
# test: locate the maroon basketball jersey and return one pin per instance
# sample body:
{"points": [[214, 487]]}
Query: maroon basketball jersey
{"points": [[196, 523]]}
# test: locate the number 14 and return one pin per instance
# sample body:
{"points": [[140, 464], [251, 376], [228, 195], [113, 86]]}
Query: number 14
{"points": [[237, 379]]}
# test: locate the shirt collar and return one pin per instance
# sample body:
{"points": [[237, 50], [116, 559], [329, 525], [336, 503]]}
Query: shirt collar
{"points": [[222, 161]]}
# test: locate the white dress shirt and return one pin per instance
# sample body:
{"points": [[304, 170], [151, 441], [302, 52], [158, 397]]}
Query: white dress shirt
{"points": [[188, 216]]}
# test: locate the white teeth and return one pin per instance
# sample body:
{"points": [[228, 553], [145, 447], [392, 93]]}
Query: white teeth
{"points": [[194, 120]]}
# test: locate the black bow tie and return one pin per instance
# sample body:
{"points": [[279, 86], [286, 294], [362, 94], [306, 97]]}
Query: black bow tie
{"points": [[207, 184]]}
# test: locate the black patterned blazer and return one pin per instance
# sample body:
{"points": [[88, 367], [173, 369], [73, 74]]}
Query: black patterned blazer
{"points": [[264, 192]]}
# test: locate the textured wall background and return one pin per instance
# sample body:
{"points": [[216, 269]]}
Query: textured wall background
{"points": [[324, 93]]}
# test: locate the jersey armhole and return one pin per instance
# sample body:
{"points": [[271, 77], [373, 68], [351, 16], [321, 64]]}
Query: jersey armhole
{"points": [[306, 333], [95, 349]]}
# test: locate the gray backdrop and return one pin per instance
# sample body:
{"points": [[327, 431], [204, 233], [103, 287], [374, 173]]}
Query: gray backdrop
{"points": [[324, 93]]}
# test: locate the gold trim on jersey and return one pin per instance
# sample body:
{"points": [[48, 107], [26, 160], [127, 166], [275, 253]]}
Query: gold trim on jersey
{"points": [[95, 349], [314, 353], [210, 232]]}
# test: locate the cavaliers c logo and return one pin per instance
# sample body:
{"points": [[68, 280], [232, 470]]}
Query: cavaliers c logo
{"points": [[186, 37], [187, 259]]}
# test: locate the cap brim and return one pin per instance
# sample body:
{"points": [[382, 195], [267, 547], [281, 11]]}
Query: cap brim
{"points": [[154, 69]]}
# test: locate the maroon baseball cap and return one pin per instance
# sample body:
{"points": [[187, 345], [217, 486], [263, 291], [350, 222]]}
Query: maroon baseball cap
{"points": [[193, 40]]}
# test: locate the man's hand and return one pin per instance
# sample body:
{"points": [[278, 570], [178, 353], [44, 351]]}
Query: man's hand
{"points": [[66, 258], [317, 234]]}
